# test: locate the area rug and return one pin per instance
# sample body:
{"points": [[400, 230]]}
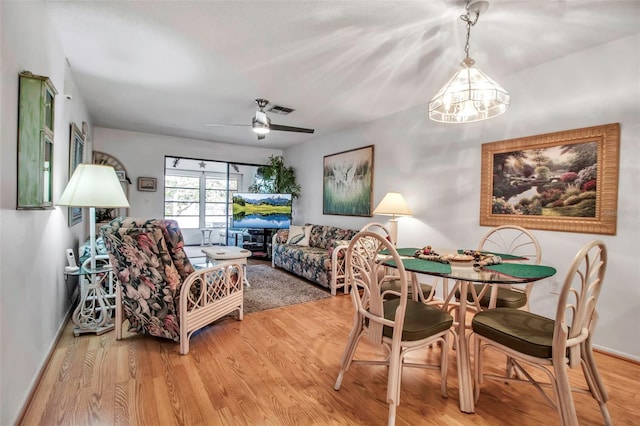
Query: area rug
{"points": [[273, 288]]}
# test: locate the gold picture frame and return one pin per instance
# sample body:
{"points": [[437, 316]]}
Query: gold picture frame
{"points": [[564, 181]]}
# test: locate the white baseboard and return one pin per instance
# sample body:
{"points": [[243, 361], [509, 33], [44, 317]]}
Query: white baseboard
{"points": [[617, 354]]}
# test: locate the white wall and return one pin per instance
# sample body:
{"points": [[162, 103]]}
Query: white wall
{"points": [[35, 301], [435, 166], [34, 297], [142, 154], [437, 169]]}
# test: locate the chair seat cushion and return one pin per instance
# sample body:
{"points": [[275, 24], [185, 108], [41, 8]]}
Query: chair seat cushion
{"points": [[523, 331], [507, 298], [420, 320]]}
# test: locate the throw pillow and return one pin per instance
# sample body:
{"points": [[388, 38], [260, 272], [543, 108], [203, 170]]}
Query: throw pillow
{"points": [[307, 235], [299, 235]]}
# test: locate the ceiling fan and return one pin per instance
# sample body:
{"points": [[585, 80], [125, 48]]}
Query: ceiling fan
{"points": [[261, 124]]}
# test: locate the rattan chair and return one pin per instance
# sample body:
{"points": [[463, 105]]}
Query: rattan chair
{"points": [[550, 346], [400, 325], [506, 239], [159, 292], [426, 290], [514, 240]]}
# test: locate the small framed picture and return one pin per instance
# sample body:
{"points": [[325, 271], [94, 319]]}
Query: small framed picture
{"points": [[147, 184], [122, 175]]}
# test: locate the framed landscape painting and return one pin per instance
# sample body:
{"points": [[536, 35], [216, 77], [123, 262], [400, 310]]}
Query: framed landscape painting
{"points": [[347, 186], [563, 181]]}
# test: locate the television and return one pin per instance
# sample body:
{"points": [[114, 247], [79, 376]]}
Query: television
{"points": [[261, 211]]}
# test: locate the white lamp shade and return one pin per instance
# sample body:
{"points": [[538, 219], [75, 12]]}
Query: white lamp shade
{"points": [[393, 204], [93, 185]]}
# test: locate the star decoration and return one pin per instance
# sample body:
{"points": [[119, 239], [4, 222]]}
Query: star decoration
{"points": [[202, 164]]}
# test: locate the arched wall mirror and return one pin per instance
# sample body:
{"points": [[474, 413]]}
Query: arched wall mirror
{"points": [[105, 215]]}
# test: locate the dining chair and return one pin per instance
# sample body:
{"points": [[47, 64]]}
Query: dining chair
{"points": [[391, 284], [400, 325], [550, 345], [378, 228], [513, 240]]}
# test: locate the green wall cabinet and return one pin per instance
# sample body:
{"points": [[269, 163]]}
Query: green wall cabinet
{"points": [[35, 142]]}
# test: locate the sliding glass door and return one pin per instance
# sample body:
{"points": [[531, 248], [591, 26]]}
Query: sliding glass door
{"points": [[198, 193]]}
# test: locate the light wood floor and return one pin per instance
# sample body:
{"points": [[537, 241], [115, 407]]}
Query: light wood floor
{"points": [[278, 367]]}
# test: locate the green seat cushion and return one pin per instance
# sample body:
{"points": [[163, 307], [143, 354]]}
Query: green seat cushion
{"points": [[523, 331], [420, 320], [507, 298], [395, 286]]}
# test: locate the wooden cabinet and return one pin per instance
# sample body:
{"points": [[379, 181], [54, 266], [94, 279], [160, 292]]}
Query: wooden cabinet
{"points": [[35, 142], [259, 243]]}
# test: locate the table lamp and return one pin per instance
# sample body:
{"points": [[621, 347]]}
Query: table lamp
{"points": [[393, 205], [92, 186]]}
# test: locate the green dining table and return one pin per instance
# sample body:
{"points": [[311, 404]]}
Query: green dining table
{"points": [[464, 273]]}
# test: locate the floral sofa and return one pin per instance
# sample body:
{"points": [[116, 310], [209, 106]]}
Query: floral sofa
{"points": [[321, 261]]}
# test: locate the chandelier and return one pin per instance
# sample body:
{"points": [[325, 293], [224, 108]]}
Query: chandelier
{"points": [[470, 95]]}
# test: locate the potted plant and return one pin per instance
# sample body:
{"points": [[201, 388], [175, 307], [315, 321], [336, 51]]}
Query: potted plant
{"points": [[276, 178]]}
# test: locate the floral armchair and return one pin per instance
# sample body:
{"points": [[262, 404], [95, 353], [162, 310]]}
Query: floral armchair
{"points": [[158, 291]]}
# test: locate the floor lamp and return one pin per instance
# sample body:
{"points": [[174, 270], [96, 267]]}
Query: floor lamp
{"points": [[393, 205], [92, 186]]}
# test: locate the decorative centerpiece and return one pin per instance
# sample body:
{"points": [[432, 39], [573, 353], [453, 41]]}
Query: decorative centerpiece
{"points": [[482, 259], [461, 258], [478, 258], [427, 253]]}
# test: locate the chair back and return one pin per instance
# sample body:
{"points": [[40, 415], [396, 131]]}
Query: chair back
{"points": [[515, 240], [365, 259], [576, 315], [378, 228]]}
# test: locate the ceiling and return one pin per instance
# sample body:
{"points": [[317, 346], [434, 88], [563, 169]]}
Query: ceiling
{"points": [[169, 67]]}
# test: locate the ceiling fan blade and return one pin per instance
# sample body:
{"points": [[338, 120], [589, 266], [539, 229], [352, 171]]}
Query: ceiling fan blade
{"points": [[261, 123], [225, 124], [290, 128]]}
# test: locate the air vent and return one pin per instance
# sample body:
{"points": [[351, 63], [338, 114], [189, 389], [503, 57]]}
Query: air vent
{"points": [[277, 109]]}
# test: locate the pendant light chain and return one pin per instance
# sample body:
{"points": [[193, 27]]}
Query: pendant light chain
{"points": [[466, 18]]}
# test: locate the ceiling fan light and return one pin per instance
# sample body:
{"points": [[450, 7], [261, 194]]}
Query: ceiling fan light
{"points": [[259, 127]]}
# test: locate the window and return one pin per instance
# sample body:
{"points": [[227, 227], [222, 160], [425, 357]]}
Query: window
{"points": [[199, 193], [218, 200], [182, 200]]}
